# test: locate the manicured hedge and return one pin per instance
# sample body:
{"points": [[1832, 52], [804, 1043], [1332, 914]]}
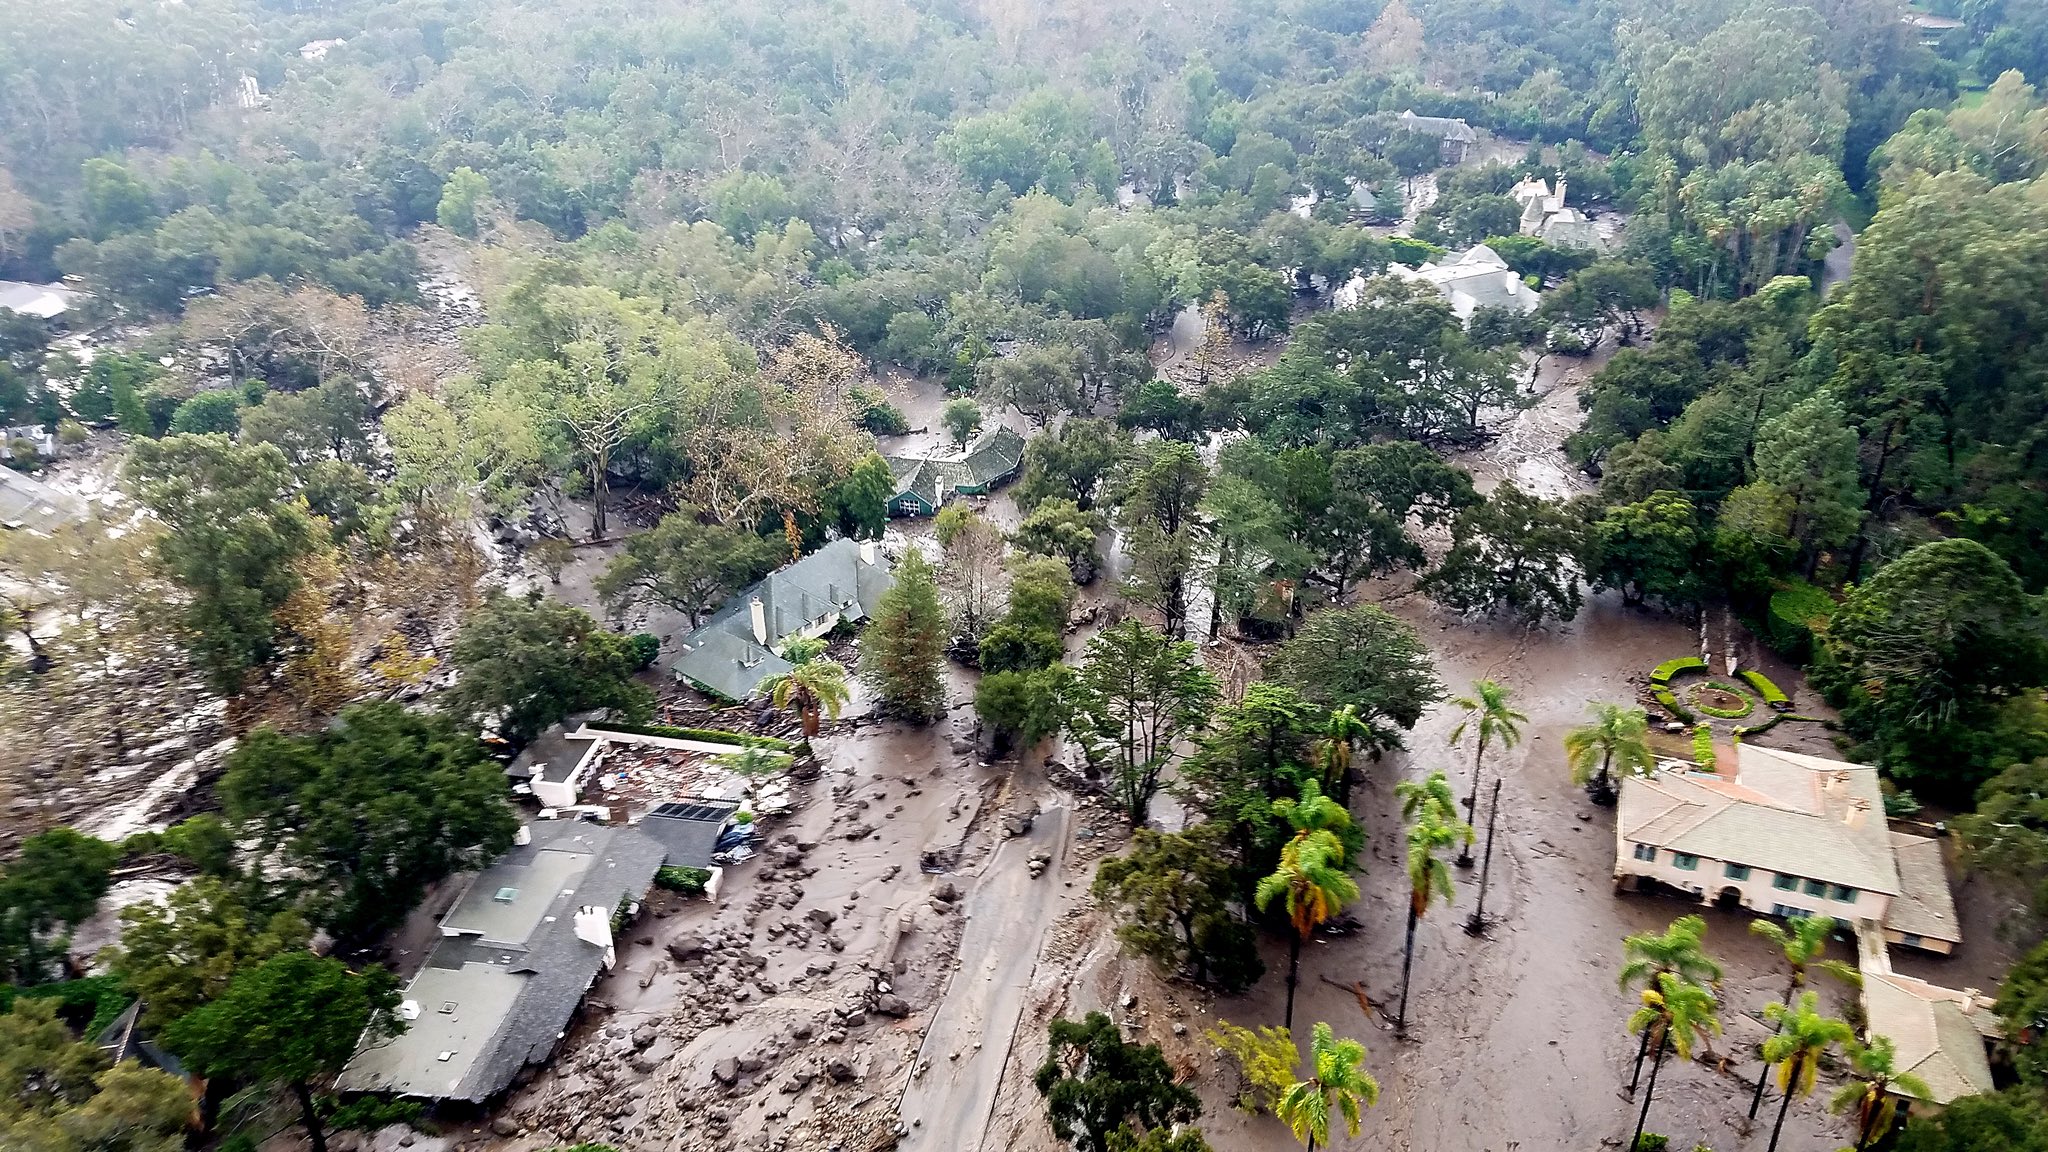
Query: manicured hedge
{"points": [[1670, 702], [1663, 673], [688, 881], [1723, 713], [1764, 688], [709, 735], [1703, 746]]}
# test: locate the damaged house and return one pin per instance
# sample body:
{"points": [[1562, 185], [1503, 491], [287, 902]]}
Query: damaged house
{"points": [[740, 645]]}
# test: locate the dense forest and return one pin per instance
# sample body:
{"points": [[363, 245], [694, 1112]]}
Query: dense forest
{"points": [[695, 233]]}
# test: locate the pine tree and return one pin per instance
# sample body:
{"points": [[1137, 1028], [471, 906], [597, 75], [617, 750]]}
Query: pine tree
{"points": [[903, 650]]}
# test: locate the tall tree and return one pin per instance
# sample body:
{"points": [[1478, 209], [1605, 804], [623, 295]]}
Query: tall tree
{"points": [[528, 662], [903, 647], [1172, 890], [1364, 657], [1802, 941], [1810, 454], [1074, 462], [1430, 831], [815, 688], [1163, 528], [1094, 1082], [1617, 737], [1678, 951], [1491, 720], [291, 1020], [57, 1093], [685, 564], [1676, 1010], [1803, 1039], [1515, 553], [1337, 1080], [1138, 694], [370, 811], [1876, 1082], [181, 954], [55, 884], [1648, 549], [1312, 883]]}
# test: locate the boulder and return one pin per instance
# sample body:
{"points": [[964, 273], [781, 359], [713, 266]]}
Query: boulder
{"points": [[840, 1070], [644, 1036], [822, 917], [726, 1071], [687, 946], [945, 891], [890, 1004]]}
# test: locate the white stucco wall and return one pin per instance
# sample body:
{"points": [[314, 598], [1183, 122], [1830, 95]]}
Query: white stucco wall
{"points": [[1758, 892]]}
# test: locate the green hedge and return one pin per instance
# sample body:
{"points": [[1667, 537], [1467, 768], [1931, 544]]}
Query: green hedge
{"points": [[709, 735], [102, 994], [1723, 713], [688, 881], [1703, 746], [1797, 611], [1663, 673], [1764, 687], [1670, 702], [1769, 722]]}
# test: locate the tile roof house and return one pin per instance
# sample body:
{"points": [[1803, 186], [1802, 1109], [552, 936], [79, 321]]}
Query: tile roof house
{"points": [[738, 647], [42, 301], [28, 503], [925, 483], [517, 954], [1787, 834], [1456, 135], [1937, 1033], [1474, 279]]}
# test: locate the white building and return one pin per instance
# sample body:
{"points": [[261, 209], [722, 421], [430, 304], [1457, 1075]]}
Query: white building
{"points": [[1474, 279], [1785, 834]]}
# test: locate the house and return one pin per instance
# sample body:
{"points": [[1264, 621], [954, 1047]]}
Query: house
{"points": [[28, 504], [1456, 136], [1938, 1034], [517, 953], [1547, 217], [1474, 279], [688, 829], [925, 483], [46, 302], [739, 646], [1786, 834]]}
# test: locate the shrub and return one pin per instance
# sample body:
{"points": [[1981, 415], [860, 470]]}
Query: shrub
{"points": [[1717, 712], [1769, 722], [708, 735], [1703, 746], [1663, 673], [1652, 1142], [688, 881], [103, 995], [645, 646], [1764, 688], [1797, 612], [371, 1113], [217, 411], [1669, 700]]}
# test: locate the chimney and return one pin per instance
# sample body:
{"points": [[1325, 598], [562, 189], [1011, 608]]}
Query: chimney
{"points": [[1560, 189], [594, 926], [523, 836], [760, 611], [870, 552]]}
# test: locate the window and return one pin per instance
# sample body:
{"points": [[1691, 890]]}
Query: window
{"points": [[1685, 860], [1843, 894], [1911, 941], [506, 895], [1736, 871], [1789, 912], [1816, 887], [1784, 883], [1646, 852]]}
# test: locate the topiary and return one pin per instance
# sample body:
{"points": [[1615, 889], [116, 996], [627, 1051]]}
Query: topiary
{"points": [[1663, 673], [1797, 611], [1716, 711], [1703, 746]]}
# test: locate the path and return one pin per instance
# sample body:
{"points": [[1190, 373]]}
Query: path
{"points": [[1008, 913], [1840, 262]]}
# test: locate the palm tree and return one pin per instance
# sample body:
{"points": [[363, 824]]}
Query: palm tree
{"points": [[1677, 1010], [1803, 1037], [1311, 879], [1427, 877], [1314, 812], [1875, 1089], [1616, 739], [1432, 795], [1802, 946], [1342, 732], [1488, 716], [1337, 1076], [815, 688], [1678, 951]]}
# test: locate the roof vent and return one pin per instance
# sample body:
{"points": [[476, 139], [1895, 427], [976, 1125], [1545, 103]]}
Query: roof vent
{"points": [[447, 1007]]}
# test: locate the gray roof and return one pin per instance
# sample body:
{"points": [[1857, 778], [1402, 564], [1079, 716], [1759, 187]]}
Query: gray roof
{"points": [[726, 657], [1938, 1033], [124, 1039], [1442, 127], [688, 829], [499, 988], [993, 458], [554, 754], [1783, 811], [26, 502], [1924, 906], [43, 301]]}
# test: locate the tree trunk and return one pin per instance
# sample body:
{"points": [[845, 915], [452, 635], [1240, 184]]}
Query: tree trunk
{"points": [[600, 487], [1293, 977], [1650, 1089], [1407, 962], [1784, 1106], [310, 1115], [1642, 1054], [1756, 1099]]}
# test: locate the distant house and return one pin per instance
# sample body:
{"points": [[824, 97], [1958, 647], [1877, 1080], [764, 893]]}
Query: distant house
{"points": [[516, 955], [1786, 834], [740, 645], [1547, 217], [46, 302], [1456, 136], [925, 483], [1474, 279]]}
